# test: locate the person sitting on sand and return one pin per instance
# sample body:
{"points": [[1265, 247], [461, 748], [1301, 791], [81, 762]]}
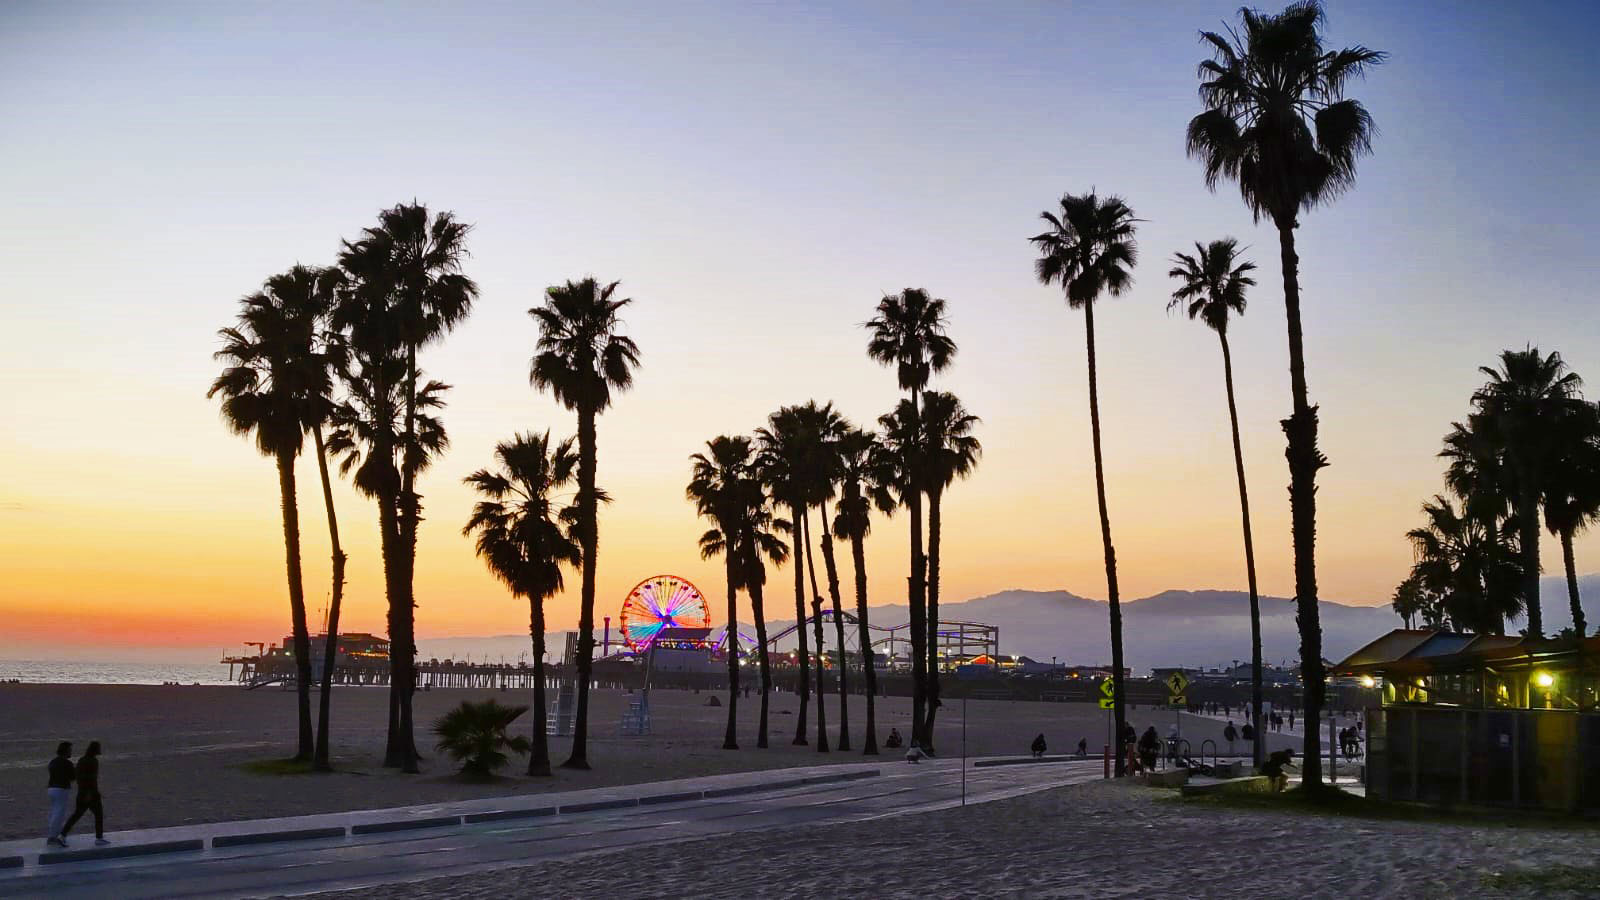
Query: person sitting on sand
{"points": [[89, 795], [1274, 766], [915, 754], [894, 742], [60, 791], [1038, 746]]}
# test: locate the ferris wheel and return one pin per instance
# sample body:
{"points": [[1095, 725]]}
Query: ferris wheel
{"points": [[661, 601]]}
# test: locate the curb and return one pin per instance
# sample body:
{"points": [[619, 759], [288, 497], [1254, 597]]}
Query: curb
{"points": [[59, 856], [336, 831], [501, 815], [681, 797], [405, 825], [593, 805], [272, 837]]}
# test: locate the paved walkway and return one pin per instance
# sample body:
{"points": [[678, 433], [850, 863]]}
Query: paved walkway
{"points": [[307, 854]]}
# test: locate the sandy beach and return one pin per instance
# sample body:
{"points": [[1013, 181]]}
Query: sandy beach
{"points": [[1098, 840], [180, 755]]}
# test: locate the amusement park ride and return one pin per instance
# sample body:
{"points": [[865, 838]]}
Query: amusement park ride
{"points": [[669, 612]]}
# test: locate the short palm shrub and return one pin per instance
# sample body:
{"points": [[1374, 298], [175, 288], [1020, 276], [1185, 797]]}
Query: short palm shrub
{"points": [[474, 734]]}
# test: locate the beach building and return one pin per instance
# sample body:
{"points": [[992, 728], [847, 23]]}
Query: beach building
{"points": [[1482, 720]]}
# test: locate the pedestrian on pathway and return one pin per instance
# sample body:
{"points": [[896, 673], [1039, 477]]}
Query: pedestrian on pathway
{"points": [[89, 795], [1291, 720], [1038, 746], [1230, 734], [1083, 748], [59, 792]]}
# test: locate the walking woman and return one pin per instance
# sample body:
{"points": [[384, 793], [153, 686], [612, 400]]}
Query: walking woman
{"points": [[89, 795], [60, 791]]}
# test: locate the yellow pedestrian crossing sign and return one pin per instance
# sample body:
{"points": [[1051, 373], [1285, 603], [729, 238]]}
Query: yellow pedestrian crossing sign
{"points": [[1177, 682], [1110, 691]]}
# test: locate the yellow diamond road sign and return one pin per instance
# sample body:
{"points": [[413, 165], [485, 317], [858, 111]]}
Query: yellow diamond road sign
{"points": [[1177, 682], [1107, 703], [1107, 688]]}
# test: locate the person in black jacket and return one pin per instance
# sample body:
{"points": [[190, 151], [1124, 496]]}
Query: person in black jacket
{"points": [[89, 794], [1038, 747], [60, 791]]}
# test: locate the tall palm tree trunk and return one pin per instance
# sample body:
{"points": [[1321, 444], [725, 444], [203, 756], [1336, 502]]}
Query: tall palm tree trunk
{"points": [[330, 652], [1304, 461], [816, 626], [799, 560], [730, 740], [539, 753], [832, 570], [297, 603], [397, 753], [1259, 750], [759, 613], [1528, 538], [1117, 692], [935, 494], [918, 624], [1570, 562], [409, 514], [868, 670], [590, 538]]}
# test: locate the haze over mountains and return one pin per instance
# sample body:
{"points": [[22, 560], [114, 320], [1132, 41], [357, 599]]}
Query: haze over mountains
{"points": [[1194, 628]]}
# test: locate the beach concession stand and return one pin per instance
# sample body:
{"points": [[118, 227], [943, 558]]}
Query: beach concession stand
{"points": [[1483, 720]]}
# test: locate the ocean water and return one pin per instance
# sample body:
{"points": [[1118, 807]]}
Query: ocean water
{"points": [[73, 672]]}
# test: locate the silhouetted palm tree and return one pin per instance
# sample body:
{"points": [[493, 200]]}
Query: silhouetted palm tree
{"points": [[1090, 250], [824, 427], [1277, 122], [757, 542], [1211, 288], [273, 387], [1407, 599], [1525, 405], [432, 296], [366, 437], [523, 539], [582, 360], [908, 333], [952, 452], [1572, 493], [320, 291], [1470, 562], [722, 490], [403, 289], [781, 468], [864, 479]]}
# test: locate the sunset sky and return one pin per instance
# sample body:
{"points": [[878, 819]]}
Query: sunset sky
{"points": [[757, 176]]}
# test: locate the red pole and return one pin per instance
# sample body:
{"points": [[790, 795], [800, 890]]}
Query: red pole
{"points": [[1108, 760]]}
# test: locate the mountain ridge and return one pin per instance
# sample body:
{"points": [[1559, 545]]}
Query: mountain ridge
{"points": [[1204, 628]]}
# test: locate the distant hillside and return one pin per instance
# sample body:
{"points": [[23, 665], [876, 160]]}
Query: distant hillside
{"points": [[1195, 628], [1199, 628]]}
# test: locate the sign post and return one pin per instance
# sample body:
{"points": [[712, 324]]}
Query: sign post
{"points": [[1108, 702]]}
